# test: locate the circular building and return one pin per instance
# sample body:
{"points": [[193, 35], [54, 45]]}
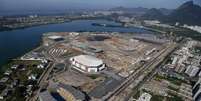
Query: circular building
{"points": [[87, 63]]}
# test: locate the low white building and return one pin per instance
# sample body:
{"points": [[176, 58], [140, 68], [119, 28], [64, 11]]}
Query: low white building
{"points": [[192, 70], [87, 63], [14, 67], [145, 97]]}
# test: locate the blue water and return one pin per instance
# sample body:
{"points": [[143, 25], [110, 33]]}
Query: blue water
{"points": [[17, 42]]}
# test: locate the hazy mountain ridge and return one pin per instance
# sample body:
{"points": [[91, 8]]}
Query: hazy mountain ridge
{"points": [[153, 14], [188, 13], [138, 10]]}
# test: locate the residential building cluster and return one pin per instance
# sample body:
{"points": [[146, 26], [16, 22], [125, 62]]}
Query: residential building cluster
{"points": [[184, 60], [21, 76], [65, 92]]}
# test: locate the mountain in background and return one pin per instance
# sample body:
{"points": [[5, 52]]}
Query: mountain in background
{"points": [[165, 11], [188, 13], [153, 14], [138, 10]]}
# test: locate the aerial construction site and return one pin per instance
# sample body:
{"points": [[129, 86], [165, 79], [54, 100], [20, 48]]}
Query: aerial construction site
{"points": [[101, 65], [91, 66]]}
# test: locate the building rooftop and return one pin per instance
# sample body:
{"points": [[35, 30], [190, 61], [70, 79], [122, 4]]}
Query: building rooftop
{"points": [[88, 60], [76, 93], [46, 96], [54, 37], [104, 88], [145, 97], [3, 80]]}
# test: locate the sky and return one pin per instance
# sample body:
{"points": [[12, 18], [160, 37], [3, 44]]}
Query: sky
{"points": [[20, 5]]}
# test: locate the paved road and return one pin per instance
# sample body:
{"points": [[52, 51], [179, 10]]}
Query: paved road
{"points": [[145, 70], [43, 79]]}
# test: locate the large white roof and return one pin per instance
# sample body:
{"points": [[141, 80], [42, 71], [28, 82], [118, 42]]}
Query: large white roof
{"points": [[54, 37], [88, 60]]}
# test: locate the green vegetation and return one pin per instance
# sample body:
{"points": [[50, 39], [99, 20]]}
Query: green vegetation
{"points": [[157, 98], [16, 95], [174, 97], [198, 50], [173, 88], [173, 80], [178, 32], [137, 95], [29, 68], [4, 68], [188, 33], [21, 74], [93, 76]]}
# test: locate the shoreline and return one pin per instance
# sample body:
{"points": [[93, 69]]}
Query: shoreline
{"points": [[3, 65], [11, 29], [5, 29]]}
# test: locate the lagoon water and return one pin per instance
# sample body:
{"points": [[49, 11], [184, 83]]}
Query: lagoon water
{"points": [[17, 42]]}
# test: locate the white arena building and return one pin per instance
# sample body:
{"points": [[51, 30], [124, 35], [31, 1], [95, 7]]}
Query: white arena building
{"points": [[87, 63]]}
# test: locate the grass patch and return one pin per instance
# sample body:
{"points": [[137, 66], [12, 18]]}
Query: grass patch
{"points": [[173, 88], [173, 80], [157, 98], [174, 97], [93, 76]]}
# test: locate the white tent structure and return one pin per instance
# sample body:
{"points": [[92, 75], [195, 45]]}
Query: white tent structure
{"points": [[87, 63]]}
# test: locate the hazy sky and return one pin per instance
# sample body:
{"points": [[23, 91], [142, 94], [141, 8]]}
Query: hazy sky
{"points": [[6, 5]]}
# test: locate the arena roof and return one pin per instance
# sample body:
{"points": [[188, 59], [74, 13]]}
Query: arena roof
{"points": [[54, 37], [88, 60]]}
